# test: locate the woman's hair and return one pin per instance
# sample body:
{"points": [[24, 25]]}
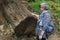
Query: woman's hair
{"points": [[45, 8], [44, 5]]}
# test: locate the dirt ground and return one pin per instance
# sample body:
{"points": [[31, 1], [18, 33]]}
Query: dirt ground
{"points": [[55, 36]]}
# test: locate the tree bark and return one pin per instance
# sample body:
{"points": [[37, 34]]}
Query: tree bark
{"points": [[17, 17]]}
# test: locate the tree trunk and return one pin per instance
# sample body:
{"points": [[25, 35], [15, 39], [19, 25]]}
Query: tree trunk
{"points": [[15, 17]]}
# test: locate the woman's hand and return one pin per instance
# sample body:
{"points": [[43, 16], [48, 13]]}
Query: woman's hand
{"points": [[40, 37]]}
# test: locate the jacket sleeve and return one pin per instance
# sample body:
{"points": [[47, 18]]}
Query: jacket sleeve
{"points": [[39, 23], [46, 20]]}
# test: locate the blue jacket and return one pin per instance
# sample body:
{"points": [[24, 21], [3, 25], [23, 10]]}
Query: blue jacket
{"points": [[44, 22]]}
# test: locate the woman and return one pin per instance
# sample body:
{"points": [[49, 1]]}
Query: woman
{"points": [[44, 26]]}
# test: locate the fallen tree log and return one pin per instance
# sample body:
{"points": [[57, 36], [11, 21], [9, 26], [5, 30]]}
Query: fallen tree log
{"points": [[20, 19]]}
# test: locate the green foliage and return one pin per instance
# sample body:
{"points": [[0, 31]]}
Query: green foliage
{"points": [[34, 6]]}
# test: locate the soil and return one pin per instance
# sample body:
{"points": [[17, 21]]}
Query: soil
{"points": [[54, 36]]}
